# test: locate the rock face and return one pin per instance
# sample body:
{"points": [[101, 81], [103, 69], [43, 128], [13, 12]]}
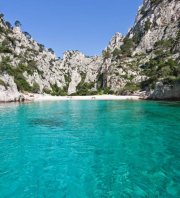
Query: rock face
{"points": [[116, 41], [156, 20], [148, 54], [10, 92], [162, 92], [29, 63], [79, 68]]}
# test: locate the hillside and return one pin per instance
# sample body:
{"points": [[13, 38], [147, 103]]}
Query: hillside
{"points": [[148, 58], [145, 61]]}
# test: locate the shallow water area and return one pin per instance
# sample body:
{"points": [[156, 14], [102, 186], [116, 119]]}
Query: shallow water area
{"points": [[90, 149]]}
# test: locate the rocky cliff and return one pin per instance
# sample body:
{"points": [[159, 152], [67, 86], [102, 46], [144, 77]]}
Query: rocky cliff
{"points": [[26, 66], [146, 59], [149, 55]]}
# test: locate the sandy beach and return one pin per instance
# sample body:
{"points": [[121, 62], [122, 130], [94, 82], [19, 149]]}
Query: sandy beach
{"points": [[41, 97]]}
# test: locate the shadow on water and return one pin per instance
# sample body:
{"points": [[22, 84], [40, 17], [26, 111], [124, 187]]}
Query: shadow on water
{"points": [[46, 122], [169, 103]]}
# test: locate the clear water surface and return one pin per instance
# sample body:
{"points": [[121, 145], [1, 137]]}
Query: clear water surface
{"points": [[93, 149]]}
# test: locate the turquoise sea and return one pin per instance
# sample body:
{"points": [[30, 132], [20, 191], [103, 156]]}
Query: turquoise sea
{"points": [[93, 149]]}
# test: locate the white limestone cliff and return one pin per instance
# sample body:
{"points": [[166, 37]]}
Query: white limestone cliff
{"points": [[23, 59]]}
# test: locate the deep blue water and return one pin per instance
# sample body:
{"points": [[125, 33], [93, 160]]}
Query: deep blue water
{"points": [[93, 149]]}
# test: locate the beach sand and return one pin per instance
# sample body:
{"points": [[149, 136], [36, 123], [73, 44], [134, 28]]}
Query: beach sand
{"points": [[41, 97]]}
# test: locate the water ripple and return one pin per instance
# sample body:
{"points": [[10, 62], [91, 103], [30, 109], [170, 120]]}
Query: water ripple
{"points": [[84, 149]]}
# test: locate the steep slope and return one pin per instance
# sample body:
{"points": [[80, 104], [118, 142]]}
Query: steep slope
{"points": [[26, 63], [159, 38], [26, 66], [146, 60], [156, 20], [149, 57]]}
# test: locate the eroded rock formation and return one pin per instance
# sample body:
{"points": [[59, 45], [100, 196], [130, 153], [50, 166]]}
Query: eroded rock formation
{"points": [[146, 59]]}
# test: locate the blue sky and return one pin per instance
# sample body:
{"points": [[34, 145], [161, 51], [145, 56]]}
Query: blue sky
{"points": [[85, 25]]}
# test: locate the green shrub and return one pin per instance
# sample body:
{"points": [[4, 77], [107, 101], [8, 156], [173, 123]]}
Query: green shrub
{"points": [[35, 88], [4, 46], [46, 90], [138, 34], [21, 83], [32, 67], [91, 93], [164, 44], [107, 90], [131, 87], [17, 73], [142, 11], [126, 48], [147, 25], [56, 91], [83, 88], [155, 2], [116, 52], [73, 94], [160, 54], [159, 69], [21, 68], [106, 54], [5, 66]]}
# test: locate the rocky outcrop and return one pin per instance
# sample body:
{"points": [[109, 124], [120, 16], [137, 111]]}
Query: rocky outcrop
{"points": [[151, 44], [8, 89], [163, 92], [116, 41], [155, 21], [22, 56], [79, 68], [148, 54]]}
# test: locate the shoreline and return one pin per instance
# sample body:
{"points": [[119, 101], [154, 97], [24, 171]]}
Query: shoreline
{"points": [[40, 97], [28, 98], [45, 97]]}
